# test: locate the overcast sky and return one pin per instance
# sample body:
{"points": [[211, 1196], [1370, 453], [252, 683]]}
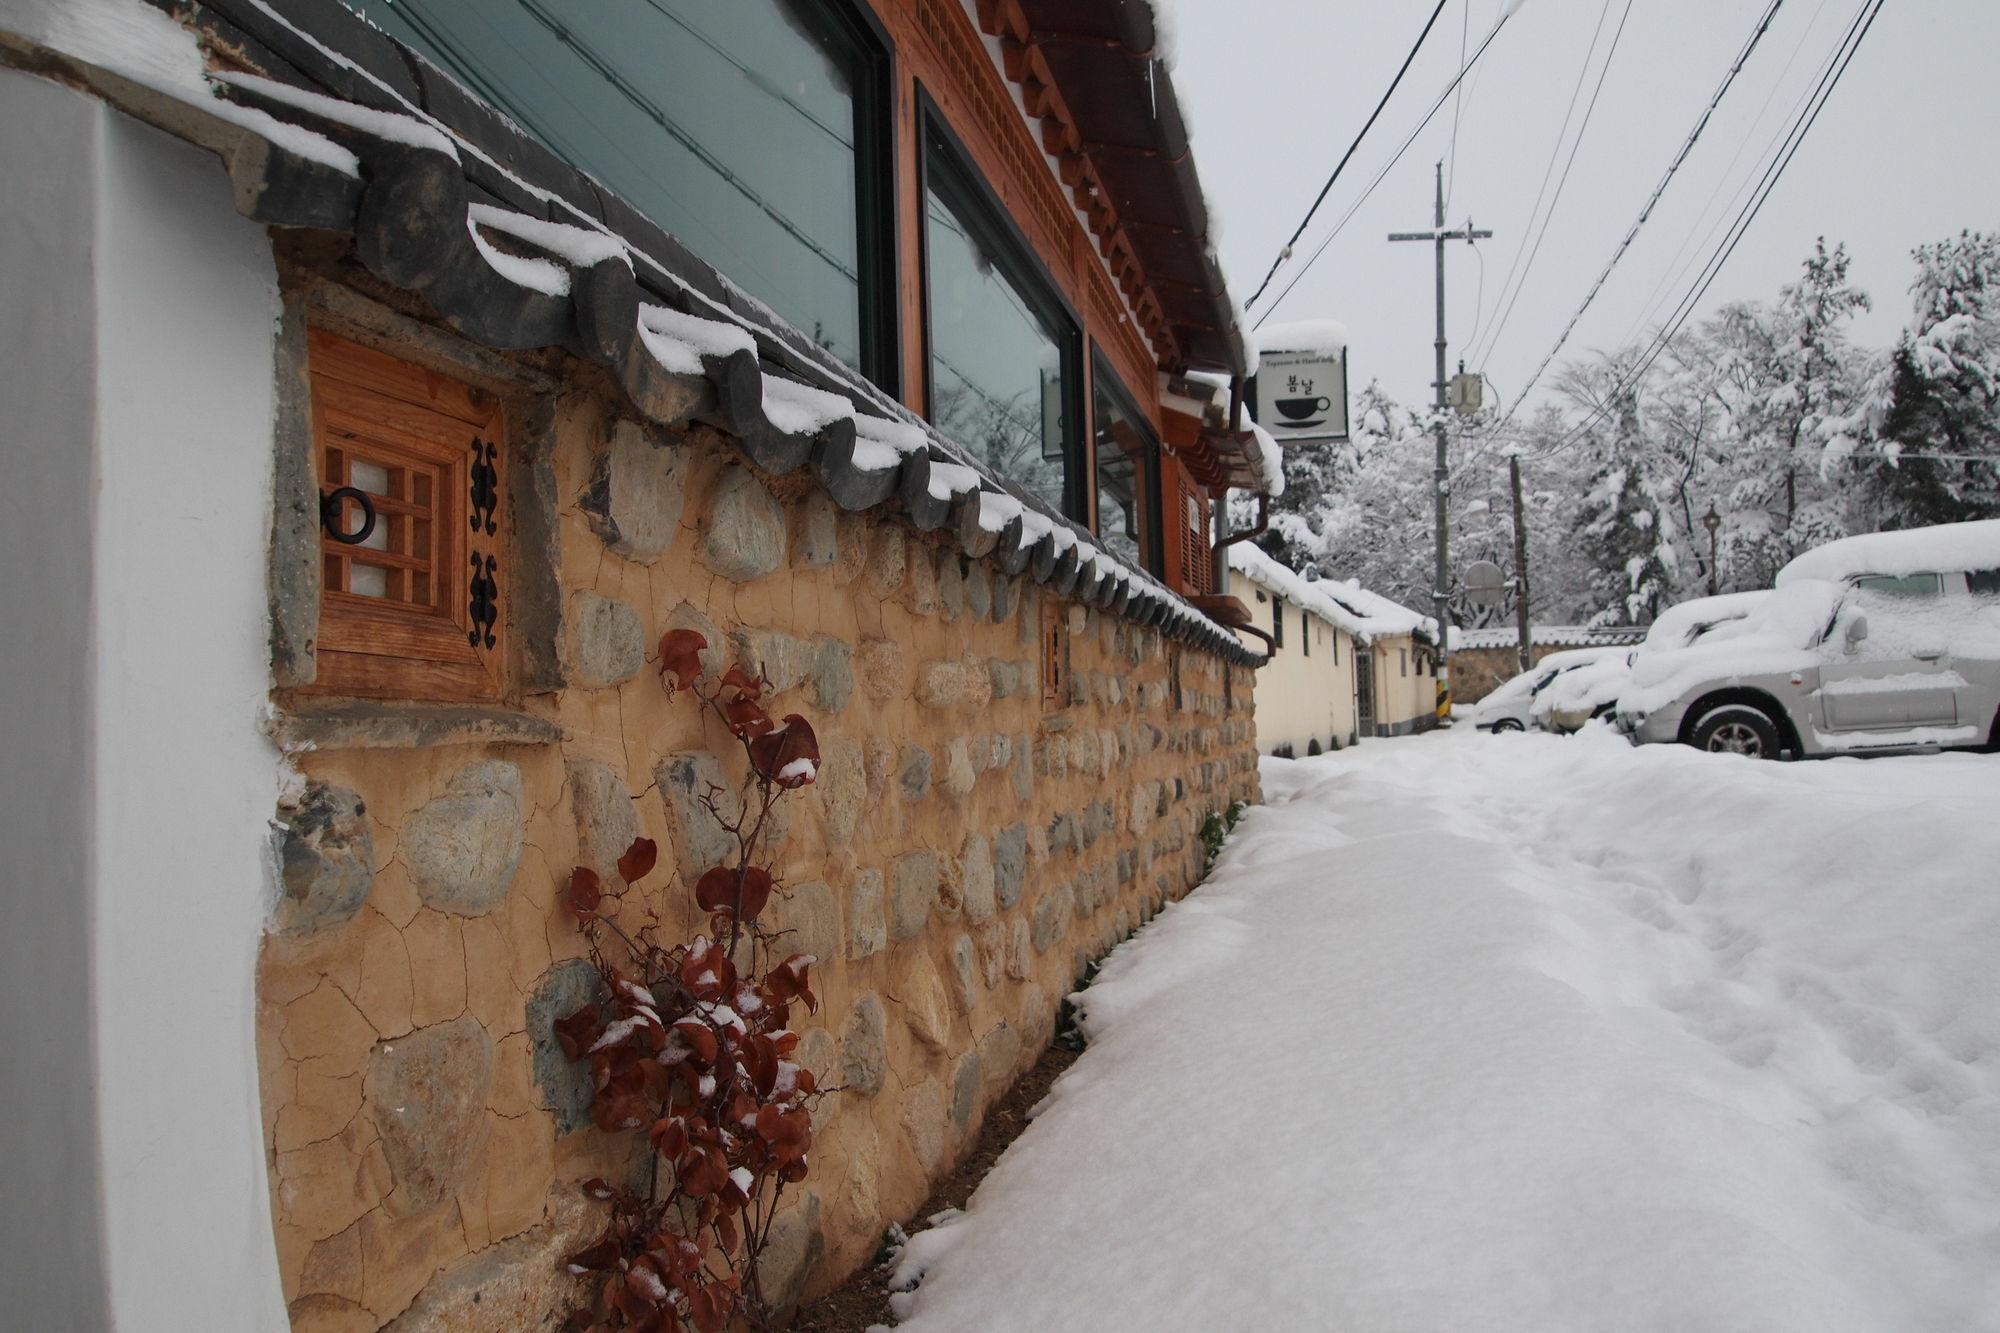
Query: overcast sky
{"points": [[1275, 90]]}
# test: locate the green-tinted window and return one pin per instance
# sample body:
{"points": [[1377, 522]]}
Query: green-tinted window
{"points": [[1128, 465], [742, 127], [1003, 355]]}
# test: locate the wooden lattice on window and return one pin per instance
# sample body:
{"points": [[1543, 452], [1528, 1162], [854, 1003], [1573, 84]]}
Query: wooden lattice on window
{"points": [[412, 609]]}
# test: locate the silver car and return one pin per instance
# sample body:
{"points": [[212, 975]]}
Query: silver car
{"points": [[1882, 644]]}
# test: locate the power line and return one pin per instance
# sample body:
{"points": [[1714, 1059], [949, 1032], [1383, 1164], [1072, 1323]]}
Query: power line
{"points": [[1386, 167], [1697, 237], [1756, 36], [1285, 252], [1534, 249], [1843, 56], [1457, 100]]}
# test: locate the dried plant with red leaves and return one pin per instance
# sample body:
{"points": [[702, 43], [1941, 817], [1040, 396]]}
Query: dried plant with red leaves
{"points": [[695, 1052]]}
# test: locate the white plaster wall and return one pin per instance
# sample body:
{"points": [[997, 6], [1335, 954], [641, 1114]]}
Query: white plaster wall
{"points": [[50, 1233], [176, 301], [185, 783], [1300, 697]]}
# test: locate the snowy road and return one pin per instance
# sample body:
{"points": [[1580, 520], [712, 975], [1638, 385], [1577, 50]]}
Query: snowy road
{"points": [[1531, 1033]]}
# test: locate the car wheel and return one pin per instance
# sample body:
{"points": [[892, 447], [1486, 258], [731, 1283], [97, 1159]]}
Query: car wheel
{"points": [[1738, 729], [1507, 724]]}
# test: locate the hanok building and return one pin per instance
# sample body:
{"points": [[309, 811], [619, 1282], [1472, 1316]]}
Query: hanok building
{"points": [[380, 383]]}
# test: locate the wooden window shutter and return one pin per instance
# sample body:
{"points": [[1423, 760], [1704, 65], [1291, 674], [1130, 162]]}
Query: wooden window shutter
{"points": [[412, 609], [1189, 540]]}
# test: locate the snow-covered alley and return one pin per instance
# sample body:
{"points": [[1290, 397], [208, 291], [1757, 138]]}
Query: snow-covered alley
{"points": [[1530, 1033]]}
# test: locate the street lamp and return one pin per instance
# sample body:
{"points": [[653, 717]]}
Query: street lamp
{"points": [[1711, 520]]}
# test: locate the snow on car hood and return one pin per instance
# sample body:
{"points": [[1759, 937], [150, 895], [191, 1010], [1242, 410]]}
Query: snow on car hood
{"points": [[1782, 632]]}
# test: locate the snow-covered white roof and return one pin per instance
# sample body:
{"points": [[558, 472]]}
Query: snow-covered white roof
{"points": [[1348, 606], [1940, 549], [1383, 617], [1328, 337]]}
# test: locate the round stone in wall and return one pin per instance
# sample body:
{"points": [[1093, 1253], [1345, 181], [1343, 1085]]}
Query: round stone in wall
{"points": [[427, 1095], [326, 858], [745, 538], [464, 846]]}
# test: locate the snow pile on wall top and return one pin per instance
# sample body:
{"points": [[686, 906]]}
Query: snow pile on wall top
{"points": [[1327, 337], [1946, 547]]}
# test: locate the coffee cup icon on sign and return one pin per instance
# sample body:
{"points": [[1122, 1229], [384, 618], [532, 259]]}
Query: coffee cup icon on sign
{"points": [[1302, 411]]}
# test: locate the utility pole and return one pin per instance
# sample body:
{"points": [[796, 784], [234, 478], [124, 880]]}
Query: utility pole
{"points": [[1441, 581], [1521, 630]]}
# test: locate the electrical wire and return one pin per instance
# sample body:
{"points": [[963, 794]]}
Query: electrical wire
{"points": [[1703, 233], [1285, 252], [1533, 249], [1388, 166], [1729, 80], [1837, 66], [1457, 102]]}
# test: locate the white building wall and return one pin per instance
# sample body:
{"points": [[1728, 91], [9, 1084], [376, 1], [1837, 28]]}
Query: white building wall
{"points": [[148, 354], [1301, 697], [51, 1222]]}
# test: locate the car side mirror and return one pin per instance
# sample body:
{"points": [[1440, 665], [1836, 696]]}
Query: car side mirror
{"points": [[1857, 630]]}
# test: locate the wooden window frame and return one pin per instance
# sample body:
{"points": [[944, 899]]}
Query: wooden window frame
{"points": [[431, 432]]}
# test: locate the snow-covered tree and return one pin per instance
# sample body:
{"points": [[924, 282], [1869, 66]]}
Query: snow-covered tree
{"points": [[1935, 402]]}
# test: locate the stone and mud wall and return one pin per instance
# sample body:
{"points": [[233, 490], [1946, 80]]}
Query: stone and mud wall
{"points": [[968, 846]]}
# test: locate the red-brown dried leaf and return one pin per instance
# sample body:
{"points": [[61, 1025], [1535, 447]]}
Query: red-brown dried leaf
{"points": [[600, 1189], [745, 686], [597, 1258], [639, 860], [704, 1171], [788, 755], [585, 891], [746, 719], [718, 889], [789, 1133], [669, 1136], [789, 981], [709, 1307], [760, 1058], [706, 972], [579, 1032], [680, 657], [700, 1038], [725, 1230]]}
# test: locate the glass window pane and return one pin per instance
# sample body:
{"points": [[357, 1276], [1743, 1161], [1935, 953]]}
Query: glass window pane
{"points": [[1127, 461], [997, 369], [727, 122], [1911, 585]]}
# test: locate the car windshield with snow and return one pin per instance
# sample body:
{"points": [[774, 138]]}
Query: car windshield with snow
{"points": [[1884, 643]]}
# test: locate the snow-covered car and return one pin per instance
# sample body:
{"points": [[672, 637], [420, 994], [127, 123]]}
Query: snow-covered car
{"points": [[1581, 692], [1878, 644], [1684, 622], [1511, 706]]}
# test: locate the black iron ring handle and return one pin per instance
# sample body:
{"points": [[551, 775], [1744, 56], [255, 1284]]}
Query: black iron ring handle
{"points": [[329, 515]]}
